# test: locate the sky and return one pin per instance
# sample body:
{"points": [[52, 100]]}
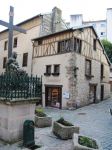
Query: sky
{"points": [[25, 9]]}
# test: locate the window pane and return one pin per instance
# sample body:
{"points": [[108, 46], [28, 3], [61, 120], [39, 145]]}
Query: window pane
{"points": [[88, 67], [25, 59], [94, 44], [4, 62], [15, 42], [48, 69], [56, 68], [65, 45], [77, 45], [6, 45]]}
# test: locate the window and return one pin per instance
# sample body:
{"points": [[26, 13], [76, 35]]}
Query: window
{"points": [[65, 45], [88, 68], [15, 42], [102, 25], [77, 45], [25, 59], [56, 70], [102, 33], [94, 44], [102, 71], [60, 46], [4, 62], [94, 25], [40, 42], [6, 45], [48, 70]]}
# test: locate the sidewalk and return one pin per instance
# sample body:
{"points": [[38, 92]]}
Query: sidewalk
{"points": [[94, 120]]}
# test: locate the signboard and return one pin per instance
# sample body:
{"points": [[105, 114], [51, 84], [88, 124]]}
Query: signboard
{"points": [[66, 95]]}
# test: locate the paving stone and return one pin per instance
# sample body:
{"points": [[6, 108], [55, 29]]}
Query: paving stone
{"points": [[94, 120]]}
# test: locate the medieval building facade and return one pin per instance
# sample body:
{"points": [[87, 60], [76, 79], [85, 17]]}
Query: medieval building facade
{"points": [[74, 67], [72, 62]]}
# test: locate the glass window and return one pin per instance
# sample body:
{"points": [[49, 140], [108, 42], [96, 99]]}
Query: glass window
{"points": [[77, 45], [48, 69], [5, 45], [65, 45], [94, 44], [102, 33], [102, 71], [88, 67], [4, 62], [25, 59], [15, 42], [102, 25], [56, 69]]}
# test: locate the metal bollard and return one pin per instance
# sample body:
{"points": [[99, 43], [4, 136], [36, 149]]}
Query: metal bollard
{"points": [[28, 133]]}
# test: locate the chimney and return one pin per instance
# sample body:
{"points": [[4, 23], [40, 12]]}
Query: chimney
{"points": [[56, 24]]}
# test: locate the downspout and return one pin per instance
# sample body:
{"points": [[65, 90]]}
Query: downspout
{"points": [[32, 58]]}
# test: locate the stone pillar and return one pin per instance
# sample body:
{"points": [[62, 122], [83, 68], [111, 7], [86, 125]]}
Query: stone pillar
{"points": [[12, 117]]}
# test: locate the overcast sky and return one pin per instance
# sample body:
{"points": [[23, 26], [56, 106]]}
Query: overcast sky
{"points": [[24, 9]]}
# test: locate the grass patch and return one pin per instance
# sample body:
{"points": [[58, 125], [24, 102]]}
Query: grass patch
{"points": [[64, 122], [39, 112], [88, 142]]}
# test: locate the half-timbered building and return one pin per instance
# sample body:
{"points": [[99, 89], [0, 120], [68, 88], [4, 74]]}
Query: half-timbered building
{"points": [[74, 67]]}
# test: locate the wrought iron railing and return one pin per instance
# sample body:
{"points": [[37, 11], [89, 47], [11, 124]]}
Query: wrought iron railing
{"points": [[13, 87]]}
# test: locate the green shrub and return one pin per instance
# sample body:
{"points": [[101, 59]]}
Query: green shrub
{"points": [[39, 112], [85, 141], [64, 122]]}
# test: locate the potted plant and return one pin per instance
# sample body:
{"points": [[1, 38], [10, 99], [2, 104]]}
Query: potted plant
{"points": [[85, 143], [41, 119], [64, 129]]}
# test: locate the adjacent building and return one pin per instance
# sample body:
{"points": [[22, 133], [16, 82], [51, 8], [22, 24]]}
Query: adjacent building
{"points": [[102, 27], [36, 26], [74, 67]]}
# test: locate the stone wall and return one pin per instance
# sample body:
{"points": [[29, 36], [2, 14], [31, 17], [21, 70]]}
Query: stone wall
{"points": [[82, 84]]}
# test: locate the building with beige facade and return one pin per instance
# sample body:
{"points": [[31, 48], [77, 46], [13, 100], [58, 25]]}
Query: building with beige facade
{"points": [[36, 26], [74, 67]]}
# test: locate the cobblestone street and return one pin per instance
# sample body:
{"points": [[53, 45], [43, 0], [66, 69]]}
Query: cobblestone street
{"points": [[94, 120]]}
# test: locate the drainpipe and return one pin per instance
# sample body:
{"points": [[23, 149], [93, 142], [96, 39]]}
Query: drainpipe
{"points": [[32, 57]]}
